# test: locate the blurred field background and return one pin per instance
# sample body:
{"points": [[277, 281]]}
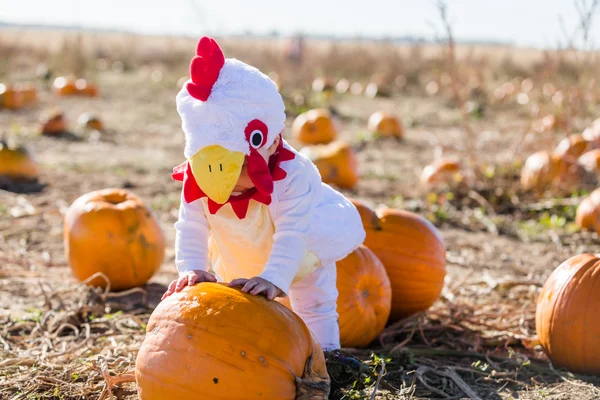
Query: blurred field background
{"points": [[486, 106]]}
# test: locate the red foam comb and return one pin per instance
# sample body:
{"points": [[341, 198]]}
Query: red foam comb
{"points": [[205, 68]]}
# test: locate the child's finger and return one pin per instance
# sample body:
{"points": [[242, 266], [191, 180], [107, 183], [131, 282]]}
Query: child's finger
{"points": [[249, 286], [209, 277], [259, 288], [192, 278], [181, 282], [238, 282], [271, 292]]}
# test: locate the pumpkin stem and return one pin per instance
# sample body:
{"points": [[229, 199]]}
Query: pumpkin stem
{"points": [[312, 386]]}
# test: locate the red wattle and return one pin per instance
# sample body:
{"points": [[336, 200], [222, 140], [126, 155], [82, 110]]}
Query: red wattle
{"points": [[259, 173]]}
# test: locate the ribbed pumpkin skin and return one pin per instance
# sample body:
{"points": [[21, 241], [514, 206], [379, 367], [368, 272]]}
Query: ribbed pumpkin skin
{"points": [[336, 163], [212, 342], [369, 218], [113, 232], [365, 297], [17, 164], [588, 212], [567, 320], [314, 127], [385, 124], [414, 257]]}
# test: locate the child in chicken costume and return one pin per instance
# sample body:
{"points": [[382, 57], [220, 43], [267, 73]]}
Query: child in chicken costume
{"points": [[251, 203]]}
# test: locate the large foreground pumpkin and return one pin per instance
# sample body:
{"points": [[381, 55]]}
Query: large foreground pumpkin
{"points": [[17, 164], [112, 231], [414, 257], [213, 342], [588, 212], [567, 320], [364, 299], [336, 163]]}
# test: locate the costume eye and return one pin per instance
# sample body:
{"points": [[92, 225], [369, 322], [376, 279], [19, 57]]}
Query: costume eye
{"points": [[256, 138]]}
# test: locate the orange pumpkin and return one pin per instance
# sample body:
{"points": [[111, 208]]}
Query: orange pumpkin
{"points": [[573, 146], [442, 173], [385, 124], [544, 170], [86, 88], [112, 231], [65, 86], [89, 121], [17, 164], [336, 163], [588, 212], [314, 127], [592, 133], [590, 161], [214, 342], [54, 123], [364, 299], [10, 97], [369, 218], [414, 257], [567, 320], [29, 94]]}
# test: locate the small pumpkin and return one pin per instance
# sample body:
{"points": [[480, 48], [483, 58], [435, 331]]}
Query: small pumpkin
{"points": [[89, 121], [369, 218], [112, 231], [414, 256], [314, 127], [17, 164], [10, 97], [86, 88], [211, 341], [442, 172], [53, 123], [336, 163], [385, 124], [29, 94], [364, 299], [592, 133], [590, 161], [544, 170], [588, 212], [65, 86], [573, 146], [566, 318]]}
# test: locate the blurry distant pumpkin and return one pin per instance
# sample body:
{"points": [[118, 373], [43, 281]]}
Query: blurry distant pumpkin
{"points": [[414, 257], [65, 86], [364, 299], [86, 88], [29, 94], [566, 321], [53, 123], [112, 231], [592, 133], [588, 212], [211, 341], [442, 173], [544, 170], [314, 127], [16, 164], [10, 97], [89, 121], [336, 163], [385, 124], [590, 161], [322, 85], [573, 146]]}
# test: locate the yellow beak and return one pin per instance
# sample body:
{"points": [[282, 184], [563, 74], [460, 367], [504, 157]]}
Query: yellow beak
{"points": [[217, 171]]}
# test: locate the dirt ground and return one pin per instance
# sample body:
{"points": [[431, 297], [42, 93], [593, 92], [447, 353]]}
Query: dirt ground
{"points": [[478, 341]]}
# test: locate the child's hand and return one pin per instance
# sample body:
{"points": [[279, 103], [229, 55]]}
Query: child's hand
{"points": [[256, 286], [190, 278]]}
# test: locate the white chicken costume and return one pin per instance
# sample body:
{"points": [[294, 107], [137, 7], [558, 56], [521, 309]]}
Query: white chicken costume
{"points": [[289, 229]]}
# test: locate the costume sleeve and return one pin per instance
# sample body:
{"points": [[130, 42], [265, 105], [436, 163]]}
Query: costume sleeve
{"points": [[290, 240], [191, 237]]}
